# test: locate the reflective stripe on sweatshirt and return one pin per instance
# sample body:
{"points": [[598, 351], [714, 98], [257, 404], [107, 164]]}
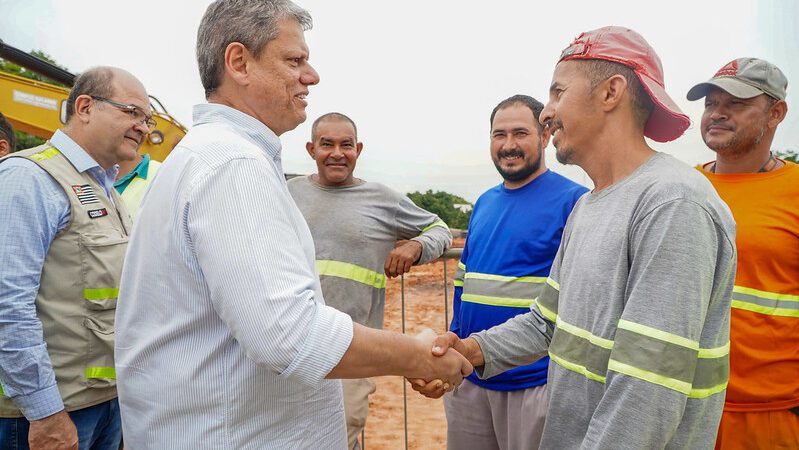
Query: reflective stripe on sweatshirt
{"points": [[436, 223], [645, 353], [764, 302], [352, 272]]}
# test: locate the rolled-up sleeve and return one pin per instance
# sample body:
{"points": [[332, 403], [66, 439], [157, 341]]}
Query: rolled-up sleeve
{"points": [[244, 231]]}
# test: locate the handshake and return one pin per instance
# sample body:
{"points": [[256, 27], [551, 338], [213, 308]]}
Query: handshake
{"points": [[452, 360]]}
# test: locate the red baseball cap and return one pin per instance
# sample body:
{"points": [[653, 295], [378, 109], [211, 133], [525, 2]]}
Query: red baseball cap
{"points": [[624, 46]]}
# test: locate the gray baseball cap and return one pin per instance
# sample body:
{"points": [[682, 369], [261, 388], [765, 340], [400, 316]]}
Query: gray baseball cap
{"points": [[745, 78]]}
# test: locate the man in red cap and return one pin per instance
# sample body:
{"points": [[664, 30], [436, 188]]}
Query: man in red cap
{"points": [[635, 311], [744, 105]]}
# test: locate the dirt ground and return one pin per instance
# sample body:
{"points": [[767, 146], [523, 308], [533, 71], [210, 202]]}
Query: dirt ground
{"points": [[424, 308]]}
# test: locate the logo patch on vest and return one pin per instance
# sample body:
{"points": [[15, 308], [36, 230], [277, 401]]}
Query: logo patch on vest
{"points": [[97, 213], [85, 194]]}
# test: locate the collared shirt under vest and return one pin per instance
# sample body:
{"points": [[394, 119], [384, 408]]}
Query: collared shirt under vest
{"points": [[133, 185], [79, 285]]}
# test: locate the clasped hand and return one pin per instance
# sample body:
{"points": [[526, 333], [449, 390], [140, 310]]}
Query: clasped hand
{"points": [[445, 346]]}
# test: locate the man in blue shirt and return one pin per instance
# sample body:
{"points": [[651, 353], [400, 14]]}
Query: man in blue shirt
{"points": [[62, 243], [514, 234]]}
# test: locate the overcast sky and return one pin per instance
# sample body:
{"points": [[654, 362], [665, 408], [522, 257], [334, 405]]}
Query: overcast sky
{"points": [[420, 77]]}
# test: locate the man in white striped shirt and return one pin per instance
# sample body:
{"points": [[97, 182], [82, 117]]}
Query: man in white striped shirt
{"points": [[223, 338]]}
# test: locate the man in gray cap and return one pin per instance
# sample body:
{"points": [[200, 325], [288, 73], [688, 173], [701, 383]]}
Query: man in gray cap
{"points": [[744, 105]]}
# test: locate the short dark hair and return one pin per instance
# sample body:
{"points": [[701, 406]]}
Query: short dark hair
{"points": [[7, 133], [599, 70], [97, 82], [519, 99], [332, 116]]}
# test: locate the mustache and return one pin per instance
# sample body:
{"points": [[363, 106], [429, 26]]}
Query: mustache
{"points": [[718, 123], [554, 124], [511, 153]]}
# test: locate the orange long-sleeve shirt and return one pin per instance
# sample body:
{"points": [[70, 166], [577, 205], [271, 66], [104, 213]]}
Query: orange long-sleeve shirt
{"points": [[764, 335]]}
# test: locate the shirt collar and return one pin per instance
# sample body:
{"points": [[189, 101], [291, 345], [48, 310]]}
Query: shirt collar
{"points": [[243, 123], [140, 171], [76, 155], [82, 161]]}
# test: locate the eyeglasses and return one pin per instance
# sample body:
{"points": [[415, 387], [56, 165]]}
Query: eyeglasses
{"points": [[133, 111]]}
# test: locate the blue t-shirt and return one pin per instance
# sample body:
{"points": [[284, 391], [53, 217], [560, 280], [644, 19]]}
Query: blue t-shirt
{"points": [[513, 233]]}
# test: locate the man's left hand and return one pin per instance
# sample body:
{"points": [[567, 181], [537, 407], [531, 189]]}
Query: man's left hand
{"points": [[404, 255]]}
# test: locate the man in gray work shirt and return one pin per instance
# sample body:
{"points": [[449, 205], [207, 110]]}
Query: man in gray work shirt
{"points": [[635, 314], [362, 232]]}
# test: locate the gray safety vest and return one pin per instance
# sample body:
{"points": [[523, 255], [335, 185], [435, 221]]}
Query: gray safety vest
{"points": [[79, 286]]}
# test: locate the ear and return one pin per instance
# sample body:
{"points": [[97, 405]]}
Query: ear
{"points": [[309, 147], [612, 90], [237, 60], [358, 149], [545, 135], [777, 113], [83, 107], [4, 147]]}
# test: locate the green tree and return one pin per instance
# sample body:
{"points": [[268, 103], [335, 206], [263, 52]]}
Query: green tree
{"points": [[25, 140], [788, 155], [443, 204], [9, 67]]}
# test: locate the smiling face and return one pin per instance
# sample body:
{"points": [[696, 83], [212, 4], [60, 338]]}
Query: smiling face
{"points": [[517, 144], [569, 114], [116, 135], [335, 149], [280, 79], [734, 125]]}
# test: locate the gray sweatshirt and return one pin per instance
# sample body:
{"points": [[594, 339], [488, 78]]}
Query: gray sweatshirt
{"points": [[354, 228], [635, 316]]}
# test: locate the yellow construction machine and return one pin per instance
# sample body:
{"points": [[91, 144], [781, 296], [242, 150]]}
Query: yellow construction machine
{"points": [[38, 108]]}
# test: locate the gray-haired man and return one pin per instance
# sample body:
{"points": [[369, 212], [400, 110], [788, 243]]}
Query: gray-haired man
{"points": [[226, 341]]}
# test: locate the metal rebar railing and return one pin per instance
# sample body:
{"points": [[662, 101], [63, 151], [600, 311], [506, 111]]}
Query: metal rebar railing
{"points": [[453, 253]]}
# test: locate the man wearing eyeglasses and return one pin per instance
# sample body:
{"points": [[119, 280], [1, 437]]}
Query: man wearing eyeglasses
{"points": [[64, 235]]}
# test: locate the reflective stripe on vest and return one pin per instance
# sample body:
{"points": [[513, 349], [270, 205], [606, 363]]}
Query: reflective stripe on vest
{"points": [[500, 290], [100, 294], [101, 372], [764, 302], [352, 272], [458, 280], [45, 154]]}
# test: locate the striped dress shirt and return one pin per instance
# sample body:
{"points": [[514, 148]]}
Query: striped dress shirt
{"points": [[223, 337]]}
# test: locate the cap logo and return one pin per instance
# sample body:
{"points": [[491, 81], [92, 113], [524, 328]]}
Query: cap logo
{"points": [[576, 48], [730, 70]]}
